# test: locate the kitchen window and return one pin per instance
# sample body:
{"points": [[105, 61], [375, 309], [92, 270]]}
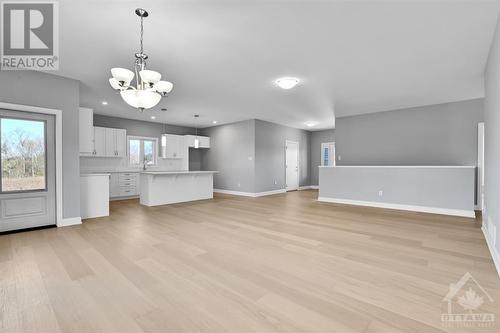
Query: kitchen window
{"points": [[142, 149]]}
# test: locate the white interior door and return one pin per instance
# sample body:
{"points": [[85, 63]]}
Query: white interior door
{"points": [[27, 164], [292, 165], [480, 166]]}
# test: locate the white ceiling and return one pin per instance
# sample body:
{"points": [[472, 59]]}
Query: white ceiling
{"points": [[353, 57]]}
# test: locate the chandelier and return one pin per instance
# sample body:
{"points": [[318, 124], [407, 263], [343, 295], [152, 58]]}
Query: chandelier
{"points": [[148, 89]]}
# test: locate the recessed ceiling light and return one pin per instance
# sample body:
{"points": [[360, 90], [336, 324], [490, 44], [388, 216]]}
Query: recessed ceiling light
{"points": [[153, 117], [214, 122], [104, 103], [287, 82], [311, 123]]}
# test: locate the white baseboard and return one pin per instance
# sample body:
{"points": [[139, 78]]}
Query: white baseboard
{"points": [[422, 209], [70, 221], [494, 253], [308, 187], [262, 194], [124, 198], [249, 194], [244, 194]]}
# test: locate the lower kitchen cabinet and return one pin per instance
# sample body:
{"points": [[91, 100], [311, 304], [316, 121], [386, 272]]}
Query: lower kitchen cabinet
{"points": [[124, 184]]}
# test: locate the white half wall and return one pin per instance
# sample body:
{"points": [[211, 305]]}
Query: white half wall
{"points": [[433, 189]]}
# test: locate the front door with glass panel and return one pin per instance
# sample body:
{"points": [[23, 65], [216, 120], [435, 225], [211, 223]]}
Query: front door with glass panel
{"points": [[27, 161]]}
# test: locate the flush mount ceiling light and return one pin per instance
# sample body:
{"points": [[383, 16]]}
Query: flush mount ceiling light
{"points": [[311, 123], [104, 103], [287, 82], [148, 89]]}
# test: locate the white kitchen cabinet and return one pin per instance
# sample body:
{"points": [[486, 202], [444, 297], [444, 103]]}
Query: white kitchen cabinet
{"points": [[121, 142], [109, 142], [94, 195], [99, 141], [114, 187], [116, 142], [204, 141], [86, 131], [173, 146], [124, 184]]}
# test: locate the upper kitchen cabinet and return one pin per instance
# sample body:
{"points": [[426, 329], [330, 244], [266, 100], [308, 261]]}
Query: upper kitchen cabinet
{"points": [[86, 131], [99, 141], [204, 141], [115, 142], [108, 142], [173, 146]]}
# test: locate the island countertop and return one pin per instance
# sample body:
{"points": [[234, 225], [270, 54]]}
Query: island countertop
{"points": [[182, 172]]}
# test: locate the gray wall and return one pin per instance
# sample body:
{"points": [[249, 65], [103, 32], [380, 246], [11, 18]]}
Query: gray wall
{"points": [[250, 155], [232, 153], [146, 128], [435, 187], [55, 92], [270, 155], [492, 136], [317, 138], [443, 134]]}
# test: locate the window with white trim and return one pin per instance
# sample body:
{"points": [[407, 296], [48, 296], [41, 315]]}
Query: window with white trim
{"points": [[142, 149]]}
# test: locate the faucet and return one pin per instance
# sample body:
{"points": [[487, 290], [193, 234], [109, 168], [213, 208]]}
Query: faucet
{"points": [[144, 164]]}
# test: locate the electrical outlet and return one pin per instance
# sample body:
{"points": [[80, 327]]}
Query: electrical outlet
{"points": [[239, 185], [380, 193], [275, 182], [250, 158], [340, 157]]}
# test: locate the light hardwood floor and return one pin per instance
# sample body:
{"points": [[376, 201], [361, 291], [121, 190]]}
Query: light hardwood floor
{"points": [[282, 263]]}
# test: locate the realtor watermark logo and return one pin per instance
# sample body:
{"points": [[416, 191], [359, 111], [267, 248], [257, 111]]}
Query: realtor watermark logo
{"points": [[463, 301], [30, 35]]}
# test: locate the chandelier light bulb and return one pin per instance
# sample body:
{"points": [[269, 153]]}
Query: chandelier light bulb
{"points": [[122, 75], [150, 76], [163, 87]]}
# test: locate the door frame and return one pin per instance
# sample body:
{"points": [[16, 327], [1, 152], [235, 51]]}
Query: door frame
{"points": [[298, 164], [480, 167], [58, 150]]}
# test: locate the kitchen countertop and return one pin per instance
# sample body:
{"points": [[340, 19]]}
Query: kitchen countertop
{"points": [[176, 172], [139, 170], [90, 174], [398, 166]]}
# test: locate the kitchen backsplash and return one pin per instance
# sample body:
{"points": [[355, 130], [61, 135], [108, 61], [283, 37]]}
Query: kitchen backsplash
{"points": [[104, 164]]}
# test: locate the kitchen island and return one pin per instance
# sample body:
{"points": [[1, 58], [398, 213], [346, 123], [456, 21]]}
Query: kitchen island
{"points": [[168, 187]]}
